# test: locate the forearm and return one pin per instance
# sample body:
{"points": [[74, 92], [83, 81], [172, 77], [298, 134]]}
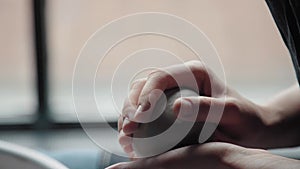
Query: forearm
{"points": [[258, 159], [282, 118]]}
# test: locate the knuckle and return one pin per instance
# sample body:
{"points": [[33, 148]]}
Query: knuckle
{"points": [[194, 63], [232, 104], [157, 74], [198, 67], [159, 77], [204, 102], [125, 111], [128, 104], [136, 83]]}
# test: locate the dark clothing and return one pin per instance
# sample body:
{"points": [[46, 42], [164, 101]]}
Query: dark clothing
{"points": [[286, 14]]}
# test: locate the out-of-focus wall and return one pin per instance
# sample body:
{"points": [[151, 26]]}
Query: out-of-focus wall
{"points": [[255, 60], [17, 85]]}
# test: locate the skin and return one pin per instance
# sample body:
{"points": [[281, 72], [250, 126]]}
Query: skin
{"points": [[243, 123], [215, 155]]}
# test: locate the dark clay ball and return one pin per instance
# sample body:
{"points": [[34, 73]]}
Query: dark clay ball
{"points": [[162, 123]]}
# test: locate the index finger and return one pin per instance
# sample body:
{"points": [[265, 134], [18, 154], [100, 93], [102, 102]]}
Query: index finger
{"points": [[183, 75]]}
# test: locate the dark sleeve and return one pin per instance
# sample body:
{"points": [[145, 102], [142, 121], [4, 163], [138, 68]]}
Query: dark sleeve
{"points": [[286, 14]]}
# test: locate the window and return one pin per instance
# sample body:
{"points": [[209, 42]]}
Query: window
{"points": [[242, 31], [255, 60], [17, 95]]}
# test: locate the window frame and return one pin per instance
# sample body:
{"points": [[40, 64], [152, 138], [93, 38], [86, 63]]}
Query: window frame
{"points": [[41, 119]]}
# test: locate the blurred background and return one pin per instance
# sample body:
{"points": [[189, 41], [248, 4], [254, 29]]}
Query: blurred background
{"points": [[40, 41]]}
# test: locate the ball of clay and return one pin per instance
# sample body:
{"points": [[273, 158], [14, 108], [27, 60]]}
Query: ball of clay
{"points": [[145, 148]]}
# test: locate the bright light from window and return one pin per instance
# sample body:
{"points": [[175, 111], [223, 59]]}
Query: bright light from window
{"points": [[255, 59], [17, 83]]}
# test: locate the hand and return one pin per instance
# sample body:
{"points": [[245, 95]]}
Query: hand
{"points": [[243, 122], [212, 156]]}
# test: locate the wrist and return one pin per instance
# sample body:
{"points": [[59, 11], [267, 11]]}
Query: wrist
{"points": [[275, 125], [267, 133], [270, 114]]}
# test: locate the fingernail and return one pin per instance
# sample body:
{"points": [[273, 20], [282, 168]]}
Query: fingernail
{"points": [[185, 110], [139, 111], [131, 115], [125, 122], [128, 148]]}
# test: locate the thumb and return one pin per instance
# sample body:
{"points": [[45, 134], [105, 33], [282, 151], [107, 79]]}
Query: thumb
{"points": [[196, 108]]}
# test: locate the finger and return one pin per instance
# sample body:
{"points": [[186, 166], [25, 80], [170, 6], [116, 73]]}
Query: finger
{"points": [[197, 108], [128, 109], [120, 123], [128, 112], [129, 127], [124, 139], [130, 105], [128, 149], [187, 75], [135, 90]]}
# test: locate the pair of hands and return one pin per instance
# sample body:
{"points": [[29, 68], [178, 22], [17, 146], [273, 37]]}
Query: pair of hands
{"points": [[243, 123]]}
